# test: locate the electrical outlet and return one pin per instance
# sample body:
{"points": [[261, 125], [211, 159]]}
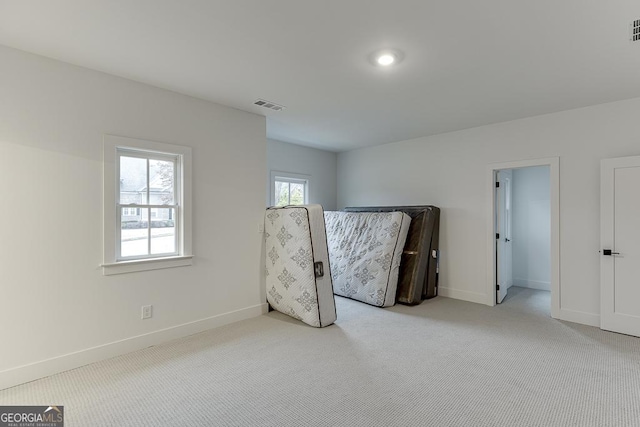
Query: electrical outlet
{"points": [[261, 227], [147, 311]]}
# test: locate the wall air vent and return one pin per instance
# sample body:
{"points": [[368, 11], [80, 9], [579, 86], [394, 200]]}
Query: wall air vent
{"points": [[270, 105], [635, 31]]}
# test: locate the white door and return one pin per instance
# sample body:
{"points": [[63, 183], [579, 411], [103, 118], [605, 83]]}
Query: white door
{"points": [[620, 245], [504, 258]]}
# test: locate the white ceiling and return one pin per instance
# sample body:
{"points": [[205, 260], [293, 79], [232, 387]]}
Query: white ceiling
{"points": [[467, 62]]}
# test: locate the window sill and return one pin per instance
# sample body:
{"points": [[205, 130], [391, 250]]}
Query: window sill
{"points": [[146, 265]]}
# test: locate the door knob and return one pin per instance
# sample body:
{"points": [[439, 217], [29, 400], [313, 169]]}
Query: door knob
{"points": [[609, 252]]}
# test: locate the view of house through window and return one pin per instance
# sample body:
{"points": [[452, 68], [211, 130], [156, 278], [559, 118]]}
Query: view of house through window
{"points": [[290, 191], [147, 205]]}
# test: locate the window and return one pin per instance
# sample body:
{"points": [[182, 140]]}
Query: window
{"points": [[289, 189], [149, 181], [130, 212], [147, 205]]}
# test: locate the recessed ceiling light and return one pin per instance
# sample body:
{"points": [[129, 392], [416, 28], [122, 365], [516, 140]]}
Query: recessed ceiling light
{"points": [[386, 57]]}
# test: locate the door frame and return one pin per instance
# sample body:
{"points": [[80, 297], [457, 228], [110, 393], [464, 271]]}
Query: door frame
{"points": [[554, 193]]}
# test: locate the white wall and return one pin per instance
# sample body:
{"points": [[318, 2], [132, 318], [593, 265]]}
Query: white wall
{"points": [[319, 165], [57, 310], [531, 227], [449, 170]]}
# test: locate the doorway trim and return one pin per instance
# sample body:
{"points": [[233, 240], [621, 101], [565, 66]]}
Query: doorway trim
{"points": [[554, 193]]}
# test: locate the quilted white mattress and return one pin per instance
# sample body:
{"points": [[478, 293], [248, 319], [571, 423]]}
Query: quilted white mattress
{"points": [[365, 249], [297, 264]]}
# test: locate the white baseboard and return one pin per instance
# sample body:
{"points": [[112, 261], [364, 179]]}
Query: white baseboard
{"points": [[581, 317], [462, 295], [532, 284], [33, 371]]}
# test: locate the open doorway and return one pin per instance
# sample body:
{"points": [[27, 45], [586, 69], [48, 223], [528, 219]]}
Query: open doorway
{"points": [[524, 241], [523, 236]]}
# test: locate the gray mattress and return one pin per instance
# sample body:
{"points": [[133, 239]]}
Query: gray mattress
{"points": [[365, 250]]}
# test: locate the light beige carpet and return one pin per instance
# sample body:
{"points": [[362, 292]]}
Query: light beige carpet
{"points": [[443, 363]]}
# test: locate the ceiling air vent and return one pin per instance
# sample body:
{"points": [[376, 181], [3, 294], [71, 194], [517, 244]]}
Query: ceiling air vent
{"points": [[270, 105], [635, 30]]}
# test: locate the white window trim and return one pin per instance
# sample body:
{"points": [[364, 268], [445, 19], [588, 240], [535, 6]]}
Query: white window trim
{"points": [[110, 264], [293, 177]]}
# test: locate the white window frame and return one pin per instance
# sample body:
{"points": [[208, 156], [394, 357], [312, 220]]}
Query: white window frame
{"points": [[148, 156], [291, 178], [114, 146]]}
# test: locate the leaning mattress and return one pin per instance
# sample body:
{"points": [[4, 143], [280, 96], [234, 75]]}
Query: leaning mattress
{"points": [[418, 275], [298, 276], [365, 250]]}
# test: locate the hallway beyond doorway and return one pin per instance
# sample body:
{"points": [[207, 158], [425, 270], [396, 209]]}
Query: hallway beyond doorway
{"points": [[531, 301]]}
